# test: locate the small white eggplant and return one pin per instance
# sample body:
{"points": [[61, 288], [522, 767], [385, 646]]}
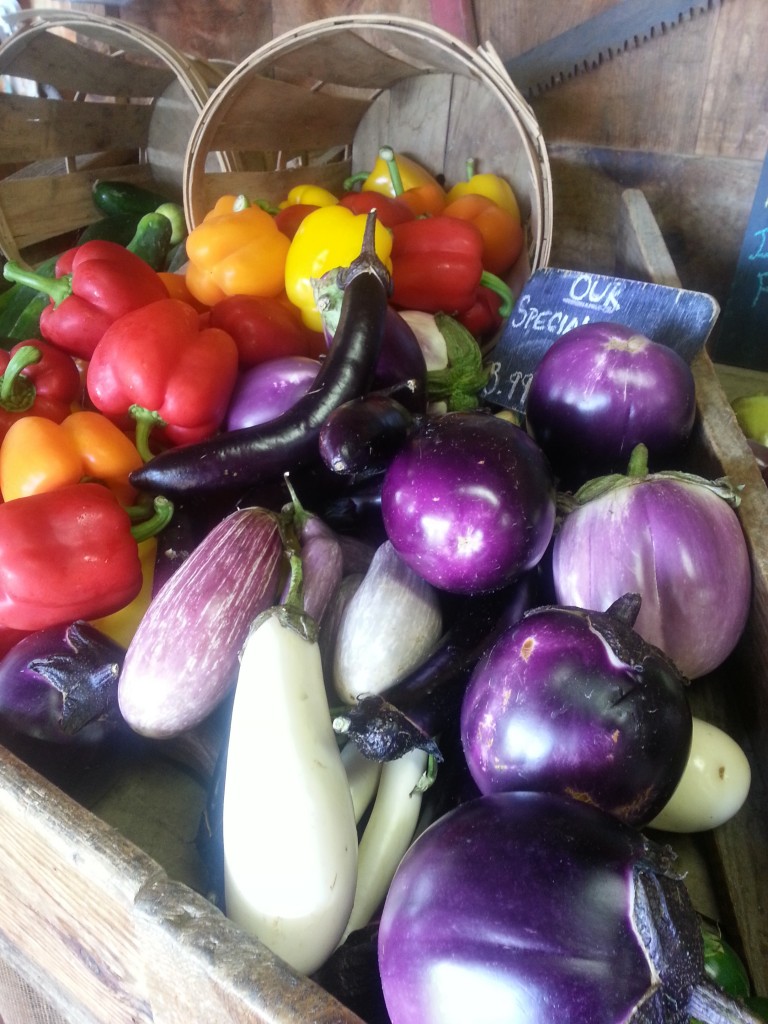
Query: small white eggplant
{"points": [[392, 622], [289, 831], [714, 784]]}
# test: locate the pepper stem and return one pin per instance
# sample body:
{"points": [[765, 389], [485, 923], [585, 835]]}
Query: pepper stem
{"points": [[17, 393], [470, 167], [146, 421], [57, 288], [501, 288], [161, 516], [387, 154], [355, 179]]}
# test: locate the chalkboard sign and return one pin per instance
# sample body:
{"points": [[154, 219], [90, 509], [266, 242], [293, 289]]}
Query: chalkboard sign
{"points": [[555, 301], [743, 336]]}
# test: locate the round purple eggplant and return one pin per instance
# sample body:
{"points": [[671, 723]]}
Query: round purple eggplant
{"points": [[60, 685], [603, 388], [575, 702], [469, 502], [532, 908], [266, 391]]}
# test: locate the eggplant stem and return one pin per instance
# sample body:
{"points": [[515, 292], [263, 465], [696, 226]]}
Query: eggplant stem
{"points": [[710, 1005]]}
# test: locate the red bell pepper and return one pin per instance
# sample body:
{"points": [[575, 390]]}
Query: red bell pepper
{"points": [[389, 211], [159, 359], [288, 219], [37, 380], [483, 319], [64, 555], [437, 266], [263, 327], [97, 283]]}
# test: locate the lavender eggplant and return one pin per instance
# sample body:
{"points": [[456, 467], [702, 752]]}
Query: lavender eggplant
{"points": [[391, 623], [576, 702], [183, 659], [269, 389], [532, 908], [60, 685], [239, 459]]}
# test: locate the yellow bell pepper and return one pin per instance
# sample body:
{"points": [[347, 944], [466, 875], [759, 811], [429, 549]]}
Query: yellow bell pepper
{"points": [[236, 249], [122, 624], [412, 175], [327, 238], [492, 186], [308, 195]]}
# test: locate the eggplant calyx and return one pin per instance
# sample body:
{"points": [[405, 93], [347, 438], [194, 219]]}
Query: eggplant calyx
{"points": [[460, 382], [637, 472], [381, 732], [85, 674]]}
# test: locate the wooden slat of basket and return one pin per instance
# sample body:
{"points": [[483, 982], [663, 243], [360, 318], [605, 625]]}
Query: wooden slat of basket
{"points": [[48, 206], [345, 58], [265, 115], [44, 129], [69, 67], [272, 186]]}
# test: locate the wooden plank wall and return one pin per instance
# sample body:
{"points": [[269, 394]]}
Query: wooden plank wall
{"points": [[684, 117]]}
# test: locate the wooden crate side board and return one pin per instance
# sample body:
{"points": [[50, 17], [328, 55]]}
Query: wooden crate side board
{"points": [[736, 697], [67, 894], [216, 973]]}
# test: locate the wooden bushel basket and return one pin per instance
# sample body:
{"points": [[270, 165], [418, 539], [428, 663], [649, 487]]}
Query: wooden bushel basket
{"points": [[113, 102], [315, 105]]}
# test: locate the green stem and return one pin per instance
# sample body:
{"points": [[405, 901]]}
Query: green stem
{"points": [[470, 167], [387, 154], [17, 393], [355, 179], [146, 421], [242, 202], [501, 288], [161, 516], [294, 599], [57, 288], [638, 462], [266, 206]]}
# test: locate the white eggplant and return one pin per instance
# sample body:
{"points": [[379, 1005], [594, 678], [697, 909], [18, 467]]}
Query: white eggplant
{"points": [[289, 831], [388, 833], [391, 624], [363, 776]]}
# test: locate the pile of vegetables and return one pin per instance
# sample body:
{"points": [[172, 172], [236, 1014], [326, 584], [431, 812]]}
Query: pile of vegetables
{"points": [[451, 649]]}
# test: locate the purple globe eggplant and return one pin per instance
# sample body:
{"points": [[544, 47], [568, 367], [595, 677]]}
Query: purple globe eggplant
{"points": [[266, 391], [575, 702], [603, 388], [673, 538], [60, 685], [468, 502], [531, 908]]}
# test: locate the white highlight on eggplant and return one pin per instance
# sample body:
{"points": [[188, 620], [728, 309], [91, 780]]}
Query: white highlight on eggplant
{"points": [[714, 784], [388, 833], [289, 830]]}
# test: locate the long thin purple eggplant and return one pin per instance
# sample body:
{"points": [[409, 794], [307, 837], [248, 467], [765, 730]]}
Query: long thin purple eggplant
{"points": [[236, 460]]}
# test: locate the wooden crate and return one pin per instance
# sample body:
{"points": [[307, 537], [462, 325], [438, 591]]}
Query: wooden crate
{"points": [[99, 930], [98, 98]]}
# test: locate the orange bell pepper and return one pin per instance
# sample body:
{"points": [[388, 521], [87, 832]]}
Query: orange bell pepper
{"points": [[38, 455], [237, 249], [492, 186], [425, 198], [502, 232]]}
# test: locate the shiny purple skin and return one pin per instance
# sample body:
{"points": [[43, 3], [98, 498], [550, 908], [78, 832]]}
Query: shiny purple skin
{"points": [[603, 388], [266, 391], [677, 544], [518, 907], [469, 502], [59, 685], [559, 704]]}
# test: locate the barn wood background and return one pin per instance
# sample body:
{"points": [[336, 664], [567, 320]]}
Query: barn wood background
{"points": [[684, 117]]}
